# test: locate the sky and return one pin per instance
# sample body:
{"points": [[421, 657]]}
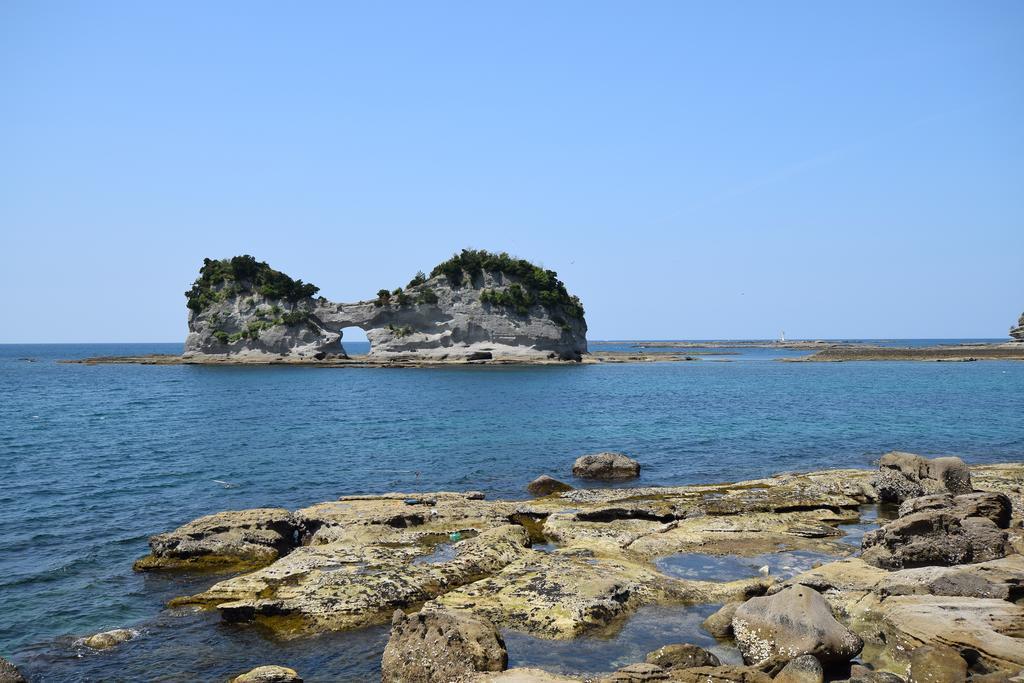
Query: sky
{"points": [[692, 170]]}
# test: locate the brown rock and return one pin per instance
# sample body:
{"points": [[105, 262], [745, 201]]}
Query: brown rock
{"points": [[937, 664], [803, 669], [682, 656], [720, 674], [439, 646], [644, 671], [9, 673], [269, 674], [719, 624], [108, 639], [545, 486], [607, 466]]}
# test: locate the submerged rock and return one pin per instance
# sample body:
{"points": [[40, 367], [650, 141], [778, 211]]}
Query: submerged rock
{"points": [[795, 621], [269, 674], [9, 673], [438, 646], [545, 486], [606, 466], [682, 656], [936, 664], [109, 639]]}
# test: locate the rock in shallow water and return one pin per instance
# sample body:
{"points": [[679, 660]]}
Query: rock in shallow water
{"points": [[269, 674], [682, 656], [438, 646], [719, 624], [795, 621], [108, 639], [9, 673], [545, 486], [606, 466]]}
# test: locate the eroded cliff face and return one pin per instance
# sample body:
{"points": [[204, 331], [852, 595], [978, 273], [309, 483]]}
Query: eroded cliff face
{"points": [[1018, 332], [456, 314]]}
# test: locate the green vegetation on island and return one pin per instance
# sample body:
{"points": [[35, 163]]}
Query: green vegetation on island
{"points": [[535, 284], [243, 274]]}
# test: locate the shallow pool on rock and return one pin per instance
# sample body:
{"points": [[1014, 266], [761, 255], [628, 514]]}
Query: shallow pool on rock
{"points": [[703, 567], [647, 630]]}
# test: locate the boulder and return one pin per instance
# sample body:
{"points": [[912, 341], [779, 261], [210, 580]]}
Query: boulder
{"points": [[108, 639], [934, 537], [719, 624], [902, 476], [606, 466], [937, 664], [795, 621], [9, 673], [682, 656], [862, 674], [269, 674], [438, 646], [803, 669], [545, 486]]}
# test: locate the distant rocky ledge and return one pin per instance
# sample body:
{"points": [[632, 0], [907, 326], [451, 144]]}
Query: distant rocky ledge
{"points": [[475, 306], [935, 591], [951, 353]]}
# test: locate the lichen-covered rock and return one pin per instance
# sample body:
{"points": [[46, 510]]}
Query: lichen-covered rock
{"points": [[606, 466], [802, 669], [269, 674], [476, 306], [109, 639], [225, 540], [441, 646], [545, 486], [681, 656], [936, 664], [795, 621], [9, 673]]}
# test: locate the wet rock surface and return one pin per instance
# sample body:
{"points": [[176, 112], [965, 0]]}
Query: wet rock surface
{"points": [[109, 639], [545, 486], [269, 674], [440, 646], [352, 562], [682, 656], [802, 669], [9, 673]]}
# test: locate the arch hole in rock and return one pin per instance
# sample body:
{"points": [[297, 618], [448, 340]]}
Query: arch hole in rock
{"points": [[354, 341]]}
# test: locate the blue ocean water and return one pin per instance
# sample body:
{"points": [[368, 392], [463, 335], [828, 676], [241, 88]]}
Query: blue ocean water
{"points": [[97, 458]]}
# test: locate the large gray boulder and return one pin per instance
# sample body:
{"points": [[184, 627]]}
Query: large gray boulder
{"points": [[795, 621], [606, 466], [440, 646], [902, 476]]}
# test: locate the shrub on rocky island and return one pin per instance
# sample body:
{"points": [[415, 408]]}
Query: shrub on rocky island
{"points": [[243, 274]]}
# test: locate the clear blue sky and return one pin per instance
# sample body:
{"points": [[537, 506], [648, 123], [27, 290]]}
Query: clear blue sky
{"points": [[691, 170]]}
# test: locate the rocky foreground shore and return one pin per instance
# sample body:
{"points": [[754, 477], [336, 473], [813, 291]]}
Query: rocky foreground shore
{"points": [[935, 594]]}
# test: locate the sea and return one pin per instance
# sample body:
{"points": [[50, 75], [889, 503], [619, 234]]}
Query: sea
{"points": [[96, 458]]}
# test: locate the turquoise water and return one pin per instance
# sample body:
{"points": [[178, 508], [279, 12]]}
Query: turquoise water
{"points": [[97, 458]]}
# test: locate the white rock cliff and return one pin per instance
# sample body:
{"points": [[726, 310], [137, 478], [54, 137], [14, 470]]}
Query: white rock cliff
{"points": [[476, 306]]}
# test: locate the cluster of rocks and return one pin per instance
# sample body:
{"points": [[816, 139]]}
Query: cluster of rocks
{"points": [[605, 466], [580, 561]]}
